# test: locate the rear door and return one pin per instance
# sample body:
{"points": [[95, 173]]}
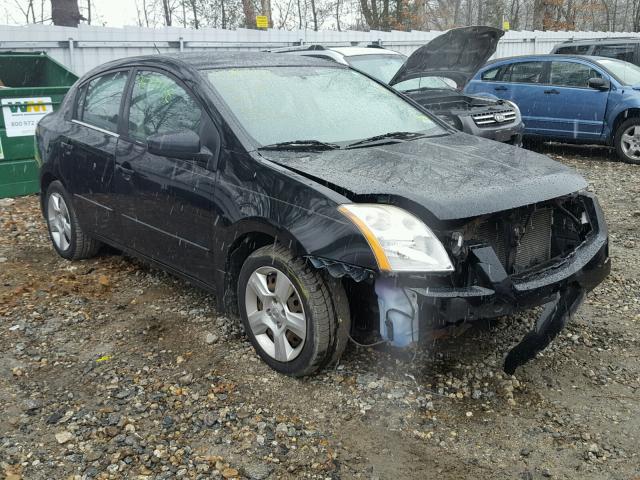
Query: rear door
{"points": [[166, 203], [574, 110], [89, 149], [522, 83]]}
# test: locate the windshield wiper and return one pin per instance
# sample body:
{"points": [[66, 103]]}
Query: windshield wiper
{"points": [[301, 145], [385, 136]]}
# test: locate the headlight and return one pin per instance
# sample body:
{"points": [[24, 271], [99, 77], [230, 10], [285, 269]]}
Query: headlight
{"points": [[399, 240], [515, 107]]}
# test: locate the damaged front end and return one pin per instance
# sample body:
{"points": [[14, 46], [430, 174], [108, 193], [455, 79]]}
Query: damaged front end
{"points": [[549, 254]]}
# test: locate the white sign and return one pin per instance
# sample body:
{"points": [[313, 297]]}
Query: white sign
{"points": [[21, 115]]}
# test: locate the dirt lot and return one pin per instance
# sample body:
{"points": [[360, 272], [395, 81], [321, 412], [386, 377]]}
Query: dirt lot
{"points": [[110, 369]]}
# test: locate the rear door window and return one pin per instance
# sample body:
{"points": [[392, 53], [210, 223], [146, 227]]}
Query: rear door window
{"points": [[524, 72], [160, 105], [623, 51], [571, 74], [99, 102]]}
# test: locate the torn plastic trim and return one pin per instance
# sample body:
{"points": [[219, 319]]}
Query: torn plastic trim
{"points": [[340, 269], [553, 319], [399, 312]]}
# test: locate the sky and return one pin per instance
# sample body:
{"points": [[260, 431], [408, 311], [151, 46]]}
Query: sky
{"points": [[112, 13]]}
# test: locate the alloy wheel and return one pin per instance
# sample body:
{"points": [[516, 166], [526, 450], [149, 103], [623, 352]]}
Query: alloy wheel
{"points": [[275, 314], [59, 221], [630, 142]]}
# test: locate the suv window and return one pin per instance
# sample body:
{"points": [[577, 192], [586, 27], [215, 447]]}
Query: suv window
{"points": [[160, 105], [491, 74], [622, 51], [571, 74], [99, 102], [574, 50], [524, 72]]}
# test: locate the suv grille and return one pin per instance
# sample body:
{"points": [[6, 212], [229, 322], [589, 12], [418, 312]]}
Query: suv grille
{"points": [[533, 248], [492, 119]]}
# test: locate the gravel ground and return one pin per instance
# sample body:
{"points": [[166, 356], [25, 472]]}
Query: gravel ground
{"points": [[111, 369]]}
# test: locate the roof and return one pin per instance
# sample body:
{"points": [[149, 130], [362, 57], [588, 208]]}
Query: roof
{"points": [[204, 60], [210, 60], [547, 56], [352, 51], [589, 41]]}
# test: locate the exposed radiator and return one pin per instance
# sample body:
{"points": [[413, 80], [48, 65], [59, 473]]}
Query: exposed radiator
{"points": [[534, 247]]}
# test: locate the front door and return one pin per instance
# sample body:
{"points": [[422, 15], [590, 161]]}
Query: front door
{"points": [[165, 203], [574, 110]]}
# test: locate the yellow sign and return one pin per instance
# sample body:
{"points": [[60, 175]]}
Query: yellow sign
{"points": [[262, 21], [505, 25]]}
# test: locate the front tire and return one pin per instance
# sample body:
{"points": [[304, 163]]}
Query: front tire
{"points": [[65, 231], [627, 141], [289, 313]]}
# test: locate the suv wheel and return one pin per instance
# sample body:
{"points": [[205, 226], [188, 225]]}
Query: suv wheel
{"points": [[66, 234], [627, 140], [295, 319]]}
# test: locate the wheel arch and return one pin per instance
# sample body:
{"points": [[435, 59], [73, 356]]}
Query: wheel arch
{"points": [[252, 237], [621, 117]]}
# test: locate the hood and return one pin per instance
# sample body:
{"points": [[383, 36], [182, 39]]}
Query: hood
{"points": [[454, 177], [456, 54]]}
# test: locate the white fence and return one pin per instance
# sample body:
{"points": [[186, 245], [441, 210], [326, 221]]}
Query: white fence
{"points": [[83, 48]]}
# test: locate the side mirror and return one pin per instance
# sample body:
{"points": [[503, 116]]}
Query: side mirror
{"points": [[599, 83], [184, 145]]}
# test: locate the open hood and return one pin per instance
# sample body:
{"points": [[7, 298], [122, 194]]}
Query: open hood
{"points": [[457, 55]]}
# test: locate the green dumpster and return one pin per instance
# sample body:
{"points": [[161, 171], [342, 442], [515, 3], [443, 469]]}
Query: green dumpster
{"points": [[31, 85]]}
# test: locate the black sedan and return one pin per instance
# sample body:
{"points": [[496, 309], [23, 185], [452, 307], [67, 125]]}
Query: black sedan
{"points": [[316, 202]]}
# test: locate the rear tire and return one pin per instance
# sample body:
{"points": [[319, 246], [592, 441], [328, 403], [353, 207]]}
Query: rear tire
{"points": [[66, 233], [627, 141], [295, 319]]}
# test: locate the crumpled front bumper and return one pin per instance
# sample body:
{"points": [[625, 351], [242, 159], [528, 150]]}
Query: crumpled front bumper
{"points": [[561, 287]]}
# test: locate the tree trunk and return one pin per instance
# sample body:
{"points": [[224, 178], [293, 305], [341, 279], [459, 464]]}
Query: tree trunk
{"points": [[167, 12], [65, 13], [338, 15], [224, 14], [195, 14], [89, 12], [249, 14], [299, 16], [369, 15], [315, 15]]}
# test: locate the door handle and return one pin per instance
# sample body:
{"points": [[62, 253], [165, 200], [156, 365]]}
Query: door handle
{"points": [[553, 91], [126, 170], [66, 148], [500, 88]]}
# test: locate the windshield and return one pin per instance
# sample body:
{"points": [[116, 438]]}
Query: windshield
{"points": [[425, 82], [627, 73], [383, 67], [327, 104]]}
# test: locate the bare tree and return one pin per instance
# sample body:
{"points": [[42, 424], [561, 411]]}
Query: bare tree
{"points": [[249, 14], [65, 13]]}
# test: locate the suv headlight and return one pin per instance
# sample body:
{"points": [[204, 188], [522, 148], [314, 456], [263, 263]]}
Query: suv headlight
{"points": [[399, 240], [515, 107]]}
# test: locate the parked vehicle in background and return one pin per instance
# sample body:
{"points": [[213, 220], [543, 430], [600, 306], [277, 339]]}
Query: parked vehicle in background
{"points": [[627, 49], [570, 98], [433, 76], [315, 201]]}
